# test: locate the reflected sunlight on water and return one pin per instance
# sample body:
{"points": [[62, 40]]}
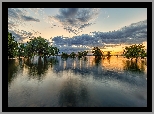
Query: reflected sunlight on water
{"points": [[53, 82]]}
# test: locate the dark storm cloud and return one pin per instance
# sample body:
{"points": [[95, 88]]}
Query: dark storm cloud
{"points": [[74, 19], [134, 33]]}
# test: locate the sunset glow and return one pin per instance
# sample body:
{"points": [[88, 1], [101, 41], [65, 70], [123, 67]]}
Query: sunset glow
{"points": [[81, 28]]}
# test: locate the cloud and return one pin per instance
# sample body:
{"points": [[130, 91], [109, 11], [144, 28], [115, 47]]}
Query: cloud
{"points": [[11, 25], [75, 19], [19, 17], [21, 35], [134, 33], [16, 17], [37, 11], [28, 18], [85, 25]]}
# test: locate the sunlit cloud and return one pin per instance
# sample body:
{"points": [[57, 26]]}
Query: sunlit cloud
{"points": [[72, 20], [134, 33]]}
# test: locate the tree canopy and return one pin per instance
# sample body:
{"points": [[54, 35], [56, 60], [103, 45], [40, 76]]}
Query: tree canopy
{"points": [[12, 45], [135, 51], [97, 52], [36, 46]]}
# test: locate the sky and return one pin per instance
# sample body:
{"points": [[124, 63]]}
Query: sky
{"points": [[80, 28]]}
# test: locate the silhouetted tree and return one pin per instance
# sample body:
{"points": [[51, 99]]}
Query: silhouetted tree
{"points": [[97, 52]]}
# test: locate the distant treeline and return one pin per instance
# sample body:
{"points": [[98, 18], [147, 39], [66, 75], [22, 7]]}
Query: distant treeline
{"points": [[40, 46]]}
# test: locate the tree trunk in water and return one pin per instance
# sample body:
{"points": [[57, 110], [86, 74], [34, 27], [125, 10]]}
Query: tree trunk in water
{"points": [[136, 60]]}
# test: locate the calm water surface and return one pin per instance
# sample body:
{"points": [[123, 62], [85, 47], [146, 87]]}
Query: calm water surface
{"points": [[87, 82]]}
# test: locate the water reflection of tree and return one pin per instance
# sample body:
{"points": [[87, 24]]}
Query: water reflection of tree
{"points": [[21, 62], [85, 69], [97, 61], [12, 69], [73, 94], [37, 69], [134, 66], [108, 58], [53, 61]]}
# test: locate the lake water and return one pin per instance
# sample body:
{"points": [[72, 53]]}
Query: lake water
{"points": [[86, 82]]}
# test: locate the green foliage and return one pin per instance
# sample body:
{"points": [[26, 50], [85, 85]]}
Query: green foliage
{"points": [[72, 55], [37, 46], [85, 53], [97, 52], [51, 51], [29, 49], [56, 50], [21, 50], [12, 46], [82, 54], [64, 55], [40, 46], [135, 51]]}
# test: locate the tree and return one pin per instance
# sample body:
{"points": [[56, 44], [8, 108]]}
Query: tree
{"points": [[85, 53], [36, 46], [134, 51], [109, 54], [64, 55], [72, 55], [21, 50], [80, 54], [40, 46], [97, 52], [12, 46], [56, 51], [29, 49]]}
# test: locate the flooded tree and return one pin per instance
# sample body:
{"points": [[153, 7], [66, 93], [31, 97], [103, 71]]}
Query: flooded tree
{"points": [[133, 66], [97, 52], [20, 50], [82, 54], [108, 54], [39, 47], [64, 55], [72, 55], [135, 51], [12, 46]]}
